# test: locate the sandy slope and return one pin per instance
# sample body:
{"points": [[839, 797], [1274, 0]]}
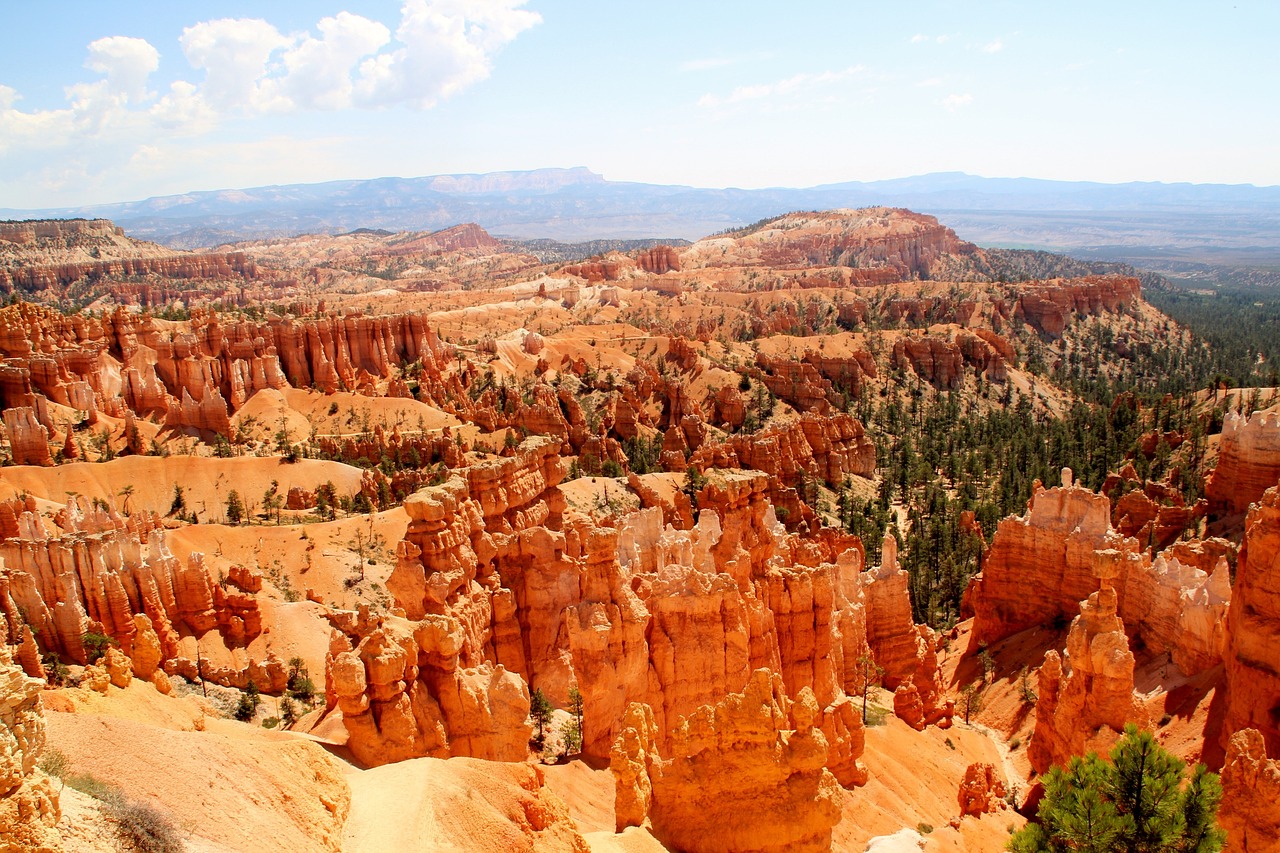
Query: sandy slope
{"points": [[915, 779], [206, 482], [459, 804], [242, 787]]}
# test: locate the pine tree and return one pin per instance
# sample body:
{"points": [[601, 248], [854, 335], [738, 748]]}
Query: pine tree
{"points": [[540, 711], [1135, 803]]}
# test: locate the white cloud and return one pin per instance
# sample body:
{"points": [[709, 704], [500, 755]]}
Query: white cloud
{"points": [[234, 54], [447, 45], [318, 71], [790, 85], [246, 67], [930, 81], [954, 102], [993, 46], [126, 63], [918, 38]]}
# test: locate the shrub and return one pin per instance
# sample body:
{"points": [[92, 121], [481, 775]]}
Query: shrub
{"points": [[95, 645], [142, 827], [55, 763]]}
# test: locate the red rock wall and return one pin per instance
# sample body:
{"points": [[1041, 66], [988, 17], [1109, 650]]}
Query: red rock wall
{"points": [[1253, 629], [1248, 462]]}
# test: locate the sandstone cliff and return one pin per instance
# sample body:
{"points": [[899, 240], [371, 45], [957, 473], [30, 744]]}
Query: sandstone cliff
{"points": [[745, 774], [1086, 699], [28, 801], [1250, 810], [1042, 564], [1253, 628], [100, 571], [1248, 462], [495, 576]]}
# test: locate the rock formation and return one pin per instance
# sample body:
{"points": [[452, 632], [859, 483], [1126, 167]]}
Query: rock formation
{"points": [[101, 572], [28, 802], [982, 790], [1248, 462], [745, 774], [403, 695], [28, 438], [903, 243], [823, 448], [1057, 538], [1048, 305], [906, 652], [1041, 564], [1086, 699], [494, 579], [1253, 628], [1250, 810]]}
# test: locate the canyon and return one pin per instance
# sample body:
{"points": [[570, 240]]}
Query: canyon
{"points": [[636, 491]]}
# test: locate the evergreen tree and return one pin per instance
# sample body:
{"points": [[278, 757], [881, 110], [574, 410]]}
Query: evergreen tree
{"points": [[1137, 803], [540, 711]]}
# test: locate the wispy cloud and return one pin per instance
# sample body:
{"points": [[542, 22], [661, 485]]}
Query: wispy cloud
{"points": [[788, 86], [993, 46], [929, 81], [957, 101]]}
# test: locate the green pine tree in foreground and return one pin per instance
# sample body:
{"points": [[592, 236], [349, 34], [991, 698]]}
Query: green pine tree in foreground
{"points": [[1137, 804]]}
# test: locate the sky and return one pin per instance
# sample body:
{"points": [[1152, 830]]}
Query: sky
{"points": [[109, 102]]}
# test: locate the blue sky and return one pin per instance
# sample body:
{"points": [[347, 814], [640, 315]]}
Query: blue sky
{"points": [[105, 102]]}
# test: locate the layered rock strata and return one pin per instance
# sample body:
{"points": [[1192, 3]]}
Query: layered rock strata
{"points": [[28, 801], [1040, 565], [1253, 628], [1248, 462], [115, 576], [1086, 697], [745, 774], [639, 612]]}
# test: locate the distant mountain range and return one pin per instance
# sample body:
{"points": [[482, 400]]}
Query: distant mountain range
{"points": [[1142, 223]]}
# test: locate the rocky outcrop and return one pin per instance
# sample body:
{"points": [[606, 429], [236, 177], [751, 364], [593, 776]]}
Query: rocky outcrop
{"points": [[1248, 462], [905, 243], [906, 652], [982, 790], [658, 260], [1039, 563], [641, 612], [938, 362], [941, 361], [799, 383], [827, 449], [1250, 810], [1057, 540], [403, 695], [200, 370], [28, 802], [1253, 628], [1181, 609], [1086, 698], [101, 572], [28, 438], [1048, 305], [745, 774]]}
